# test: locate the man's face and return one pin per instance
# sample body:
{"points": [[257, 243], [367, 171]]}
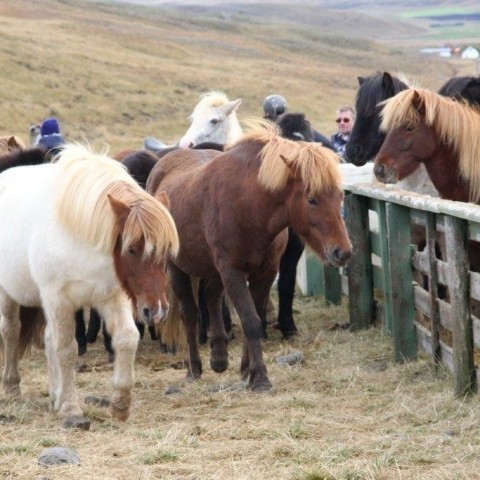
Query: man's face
{"points": [[345, 122]]}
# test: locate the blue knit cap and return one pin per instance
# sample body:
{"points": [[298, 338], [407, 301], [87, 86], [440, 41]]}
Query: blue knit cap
{"points": [[49, 127]]}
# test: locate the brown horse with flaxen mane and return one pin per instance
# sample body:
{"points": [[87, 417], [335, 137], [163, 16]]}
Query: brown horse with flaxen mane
{"points": [[443, 134], [231, 211]]}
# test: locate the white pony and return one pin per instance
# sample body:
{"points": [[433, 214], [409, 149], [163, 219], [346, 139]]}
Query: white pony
{"points": [[214, 119], [78, 232]]}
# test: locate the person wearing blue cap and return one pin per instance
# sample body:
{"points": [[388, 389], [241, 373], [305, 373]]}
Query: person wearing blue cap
{"points": [[50, 137]]}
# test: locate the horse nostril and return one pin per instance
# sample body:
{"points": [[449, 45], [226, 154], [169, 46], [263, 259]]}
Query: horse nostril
{"points": [[379, 170], [341, 256], [147, 313]]}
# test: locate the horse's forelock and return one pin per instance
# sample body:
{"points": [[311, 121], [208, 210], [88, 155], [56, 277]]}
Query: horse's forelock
{"points": [[209, 100], [150, 220], [372, 92], [316, 165]]}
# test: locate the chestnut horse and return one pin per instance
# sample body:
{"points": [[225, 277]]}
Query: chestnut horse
{"points": [[79, 232], [426, 128], [232, 211]]}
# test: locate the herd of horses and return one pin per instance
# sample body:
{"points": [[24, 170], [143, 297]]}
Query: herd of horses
{"points": [[229, 207]]}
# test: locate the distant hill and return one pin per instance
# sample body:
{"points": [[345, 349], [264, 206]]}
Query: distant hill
{"points": [[115, 72]]}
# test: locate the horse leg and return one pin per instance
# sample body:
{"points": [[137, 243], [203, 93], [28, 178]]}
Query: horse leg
{"points": [[117, 315], [80, 332], [107, 343], [286, 284], [182, 287], [252, 366], [10, 327], [94, 325], [202, 307], [219, 338], [227, 318], [62, 351]]}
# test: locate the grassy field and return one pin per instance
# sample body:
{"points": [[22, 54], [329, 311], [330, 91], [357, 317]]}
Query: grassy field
{"points": [[348, 412]]}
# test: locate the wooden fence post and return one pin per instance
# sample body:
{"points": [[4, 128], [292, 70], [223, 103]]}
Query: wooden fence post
{"points": [[359, 269], [403, 311], [459, 287]]}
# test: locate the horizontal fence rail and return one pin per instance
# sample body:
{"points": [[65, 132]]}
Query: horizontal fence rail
{"points": [[416, 262]]}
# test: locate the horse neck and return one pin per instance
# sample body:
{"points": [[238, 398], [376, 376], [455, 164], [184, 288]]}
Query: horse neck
{"points": [[234, 131], [443, 170]]}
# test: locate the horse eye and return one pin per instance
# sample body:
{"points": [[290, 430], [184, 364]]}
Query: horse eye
{"points": [[312, 201], [131, 251], [214, 121], [409, 128]]}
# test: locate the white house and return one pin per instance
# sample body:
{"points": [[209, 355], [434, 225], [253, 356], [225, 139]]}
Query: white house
{"points": [[470, 53]]}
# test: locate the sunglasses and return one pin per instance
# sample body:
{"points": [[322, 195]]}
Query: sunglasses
{"points": [[342, 120]]}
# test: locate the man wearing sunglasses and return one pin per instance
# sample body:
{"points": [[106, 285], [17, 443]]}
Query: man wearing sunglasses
{"points": [[345, 119]]}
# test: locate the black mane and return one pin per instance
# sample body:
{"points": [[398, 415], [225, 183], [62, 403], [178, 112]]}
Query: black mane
{"points": [[462, 88], [376, 88], [18, 158], [295, 127]]}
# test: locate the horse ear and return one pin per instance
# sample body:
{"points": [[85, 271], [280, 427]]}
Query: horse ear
{"points": [[417, 103], [361, 80], [120, 210], [12, 143], [230, 107], [387, 82], [162, 197]]}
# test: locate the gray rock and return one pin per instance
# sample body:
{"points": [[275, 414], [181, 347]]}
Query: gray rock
{"points": [[58, 456], [294, 358], [172, 390]]}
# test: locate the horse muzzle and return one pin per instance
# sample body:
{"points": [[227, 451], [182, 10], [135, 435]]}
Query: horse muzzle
{"points": [[338, 257], [385, 174]]}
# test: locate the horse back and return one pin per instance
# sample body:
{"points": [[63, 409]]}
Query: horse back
{"points": [[180, 163]]}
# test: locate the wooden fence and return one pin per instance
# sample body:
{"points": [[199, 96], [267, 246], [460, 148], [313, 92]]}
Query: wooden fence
{"points": [[425, 301]]}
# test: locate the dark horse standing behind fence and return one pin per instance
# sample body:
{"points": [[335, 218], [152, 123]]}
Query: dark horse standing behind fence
{"points": [[231, 212]]}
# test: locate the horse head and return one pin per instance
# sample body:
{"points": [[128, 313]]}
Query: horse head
{"points": [[141, 273], [214, 119], [366, 137]]}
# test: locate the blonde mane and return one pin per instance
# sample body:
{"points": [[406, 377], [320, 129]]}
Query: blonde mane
{"points": [[209, 100], [317, 166], [456, 123], [82, 206]]}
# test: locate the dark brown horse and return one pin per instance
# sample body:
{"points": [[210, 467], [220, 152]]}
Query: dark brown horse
{"points": [[443, 134], [231, 211]]}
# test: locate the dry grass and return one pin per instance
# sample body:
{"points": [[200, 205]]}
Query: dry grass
{"points": [[347, 413]]}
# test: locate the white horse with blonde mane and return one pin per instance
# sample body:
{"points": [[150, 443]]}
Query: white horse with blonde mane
{"points": [[214, 119], [78, 232]]}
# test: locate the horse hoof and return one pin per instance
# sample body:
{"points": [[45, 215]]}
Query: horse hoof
{"points": [[219, 366], [82, 350], [77, 422], [290, 334], [262, 386], [121, 414]]}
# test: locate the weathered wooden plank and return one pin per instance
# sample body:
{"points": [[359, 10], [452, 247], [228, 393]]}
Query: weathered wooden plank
{"points": [[433, 286], [400, 270], [467, 211], [462, 331], [383, 253], [422, 300], [360, 278]]}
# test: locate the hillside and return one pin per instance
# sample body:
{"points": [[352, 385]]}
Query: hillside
{"points": [[115, 72]]}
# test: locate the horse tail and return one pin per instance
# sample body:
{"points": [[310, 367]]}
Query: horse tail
{"points": [[32, 328], [171, 330]]}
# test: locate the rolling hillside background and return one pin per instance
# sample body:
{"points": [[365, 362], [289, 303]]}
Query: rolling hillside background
{"points": [[114, 72]]}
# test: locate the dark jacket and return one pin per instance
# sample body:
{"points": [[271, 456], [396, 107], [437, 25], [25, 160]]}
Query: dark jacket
{"points": [[339, 143]]}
